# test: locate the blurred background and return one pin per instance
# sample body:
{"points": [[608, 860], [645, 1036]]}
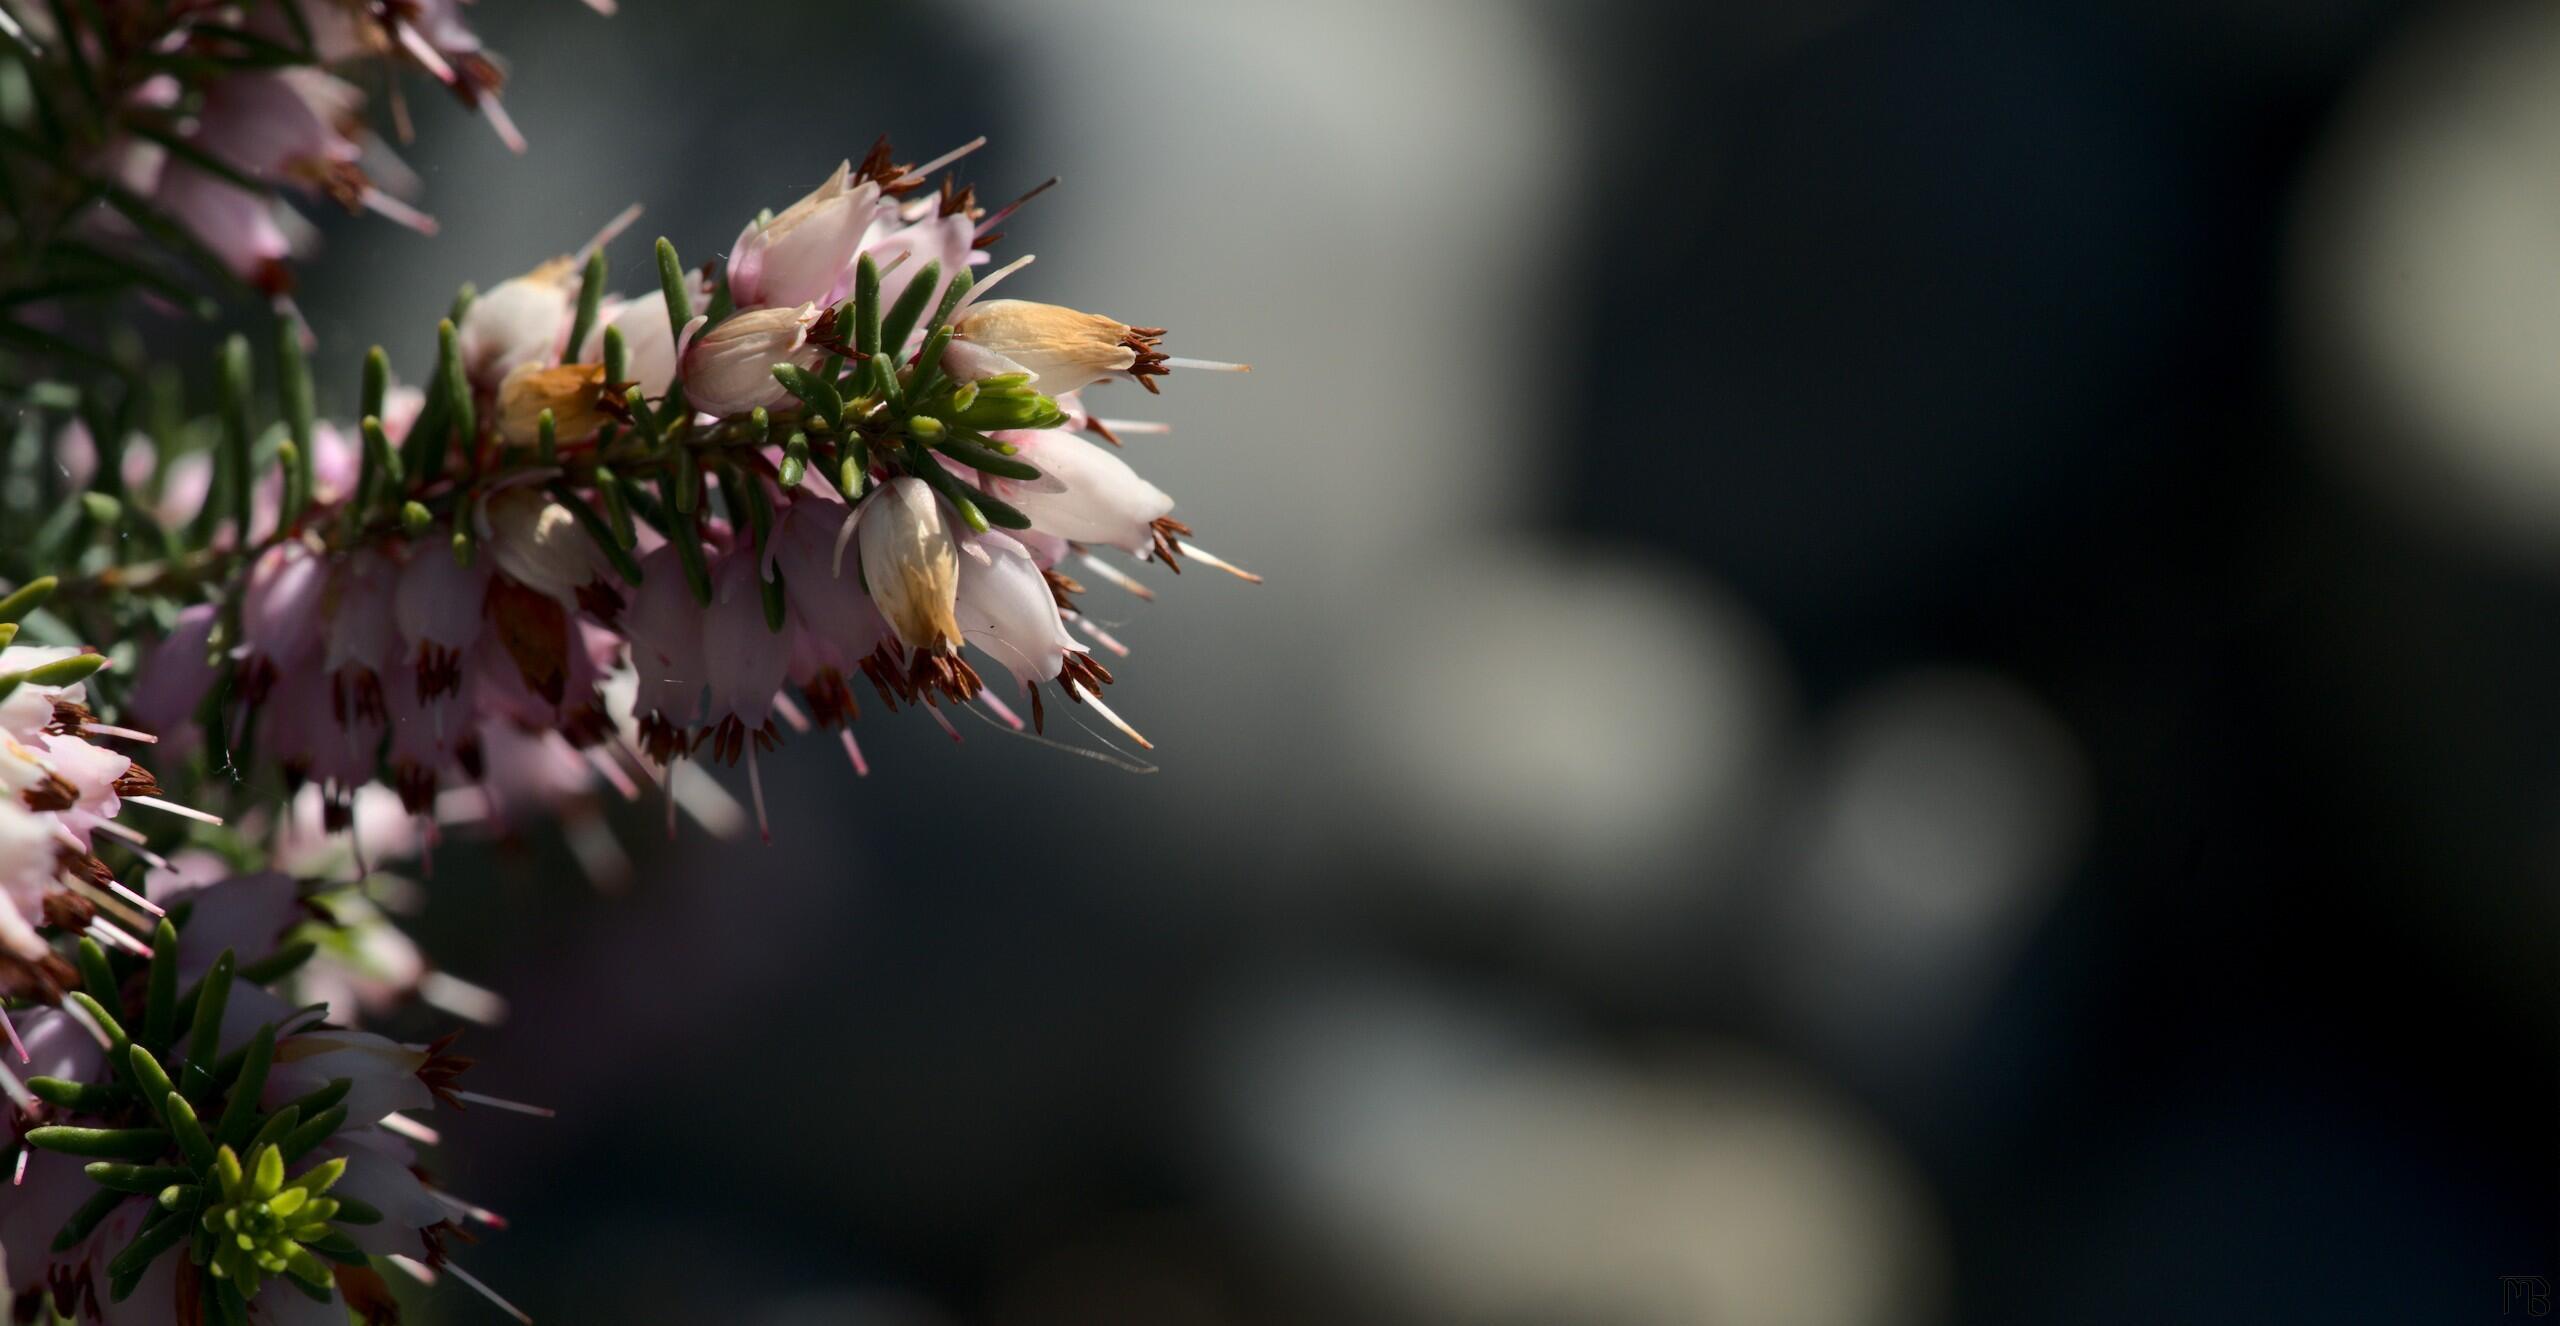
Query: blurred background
{"points": [[1907, 677]]}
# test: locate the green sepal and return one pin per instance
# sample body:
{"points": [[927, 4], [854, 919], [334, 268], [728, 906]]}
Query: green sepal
{"points": [[671, 285], [27, 598], [853, 470], [95, 974], [160, 1000], [65, 671], [462, 302], [150, 1080], [322, 1097], [230, 491], [814, 391], [187, 1130], [156, 1237], [455, 386], [213, 994], [279, 1126], [900, 322], [338, 1247], [598, 532], [126, 1177], [590, 300], [968, 452], [617, 357], [240, 1110], [382, 468], [795, 460], [415, 519], [312, 1132], [116, 1038], [617, 509], [293, 396], [376, 390], [101, 1143], [866, 307], [77, 1097]]}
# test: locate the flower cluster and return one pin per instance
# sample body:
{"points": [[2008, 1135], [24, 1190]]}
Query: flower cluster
{"points": [[214, 112], [61, 789], [190, 1146], [528, 556]]}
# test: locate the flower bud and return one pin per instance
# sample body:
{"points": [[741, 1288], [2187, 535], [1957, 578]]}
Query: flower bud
{"points": [[571, 393], [1007, 609], [910, 564], [522, 321], [729, 369], [1063, 350], [1085, 493], [538, 544], [648, 339], [801, 255]]}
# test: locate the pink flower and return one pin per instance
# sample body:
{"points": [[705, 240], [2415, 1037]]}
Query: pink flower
{"points": [[729, 369], [801, 256], [1085, 494], [245, 230], [524, 320], [910, 564], [1006, 608]]}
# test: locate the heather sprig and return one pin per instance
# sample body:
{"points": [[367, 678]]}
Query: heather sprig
{"points": [[590, 542]]}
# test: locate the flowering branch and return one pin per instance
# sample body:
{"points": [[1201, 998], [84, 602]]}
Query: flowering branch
{"points": [[602, 540]]}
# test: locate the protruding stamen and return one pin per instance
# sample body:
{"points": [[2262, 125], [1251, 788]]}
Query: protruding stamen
{"points": [[1139, 427], [599, 851], [755, 790], [936, 711], [26, 1101], [136, 841], [610, 769], [1118, 577], [394, 210], [93, 728], [1100, 636], [172, 807], [947, 158], [486, 1292], [978, 290], [425, 53], [468, 1210], [502, 123], [1207, 558], [1094, 698], [988, 698], [410, 1128], [511, 1106], [612, 231], [88, 1024], [461, 998], [853, 750], [10, 1029], [706, 801], [1206, 365]]}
